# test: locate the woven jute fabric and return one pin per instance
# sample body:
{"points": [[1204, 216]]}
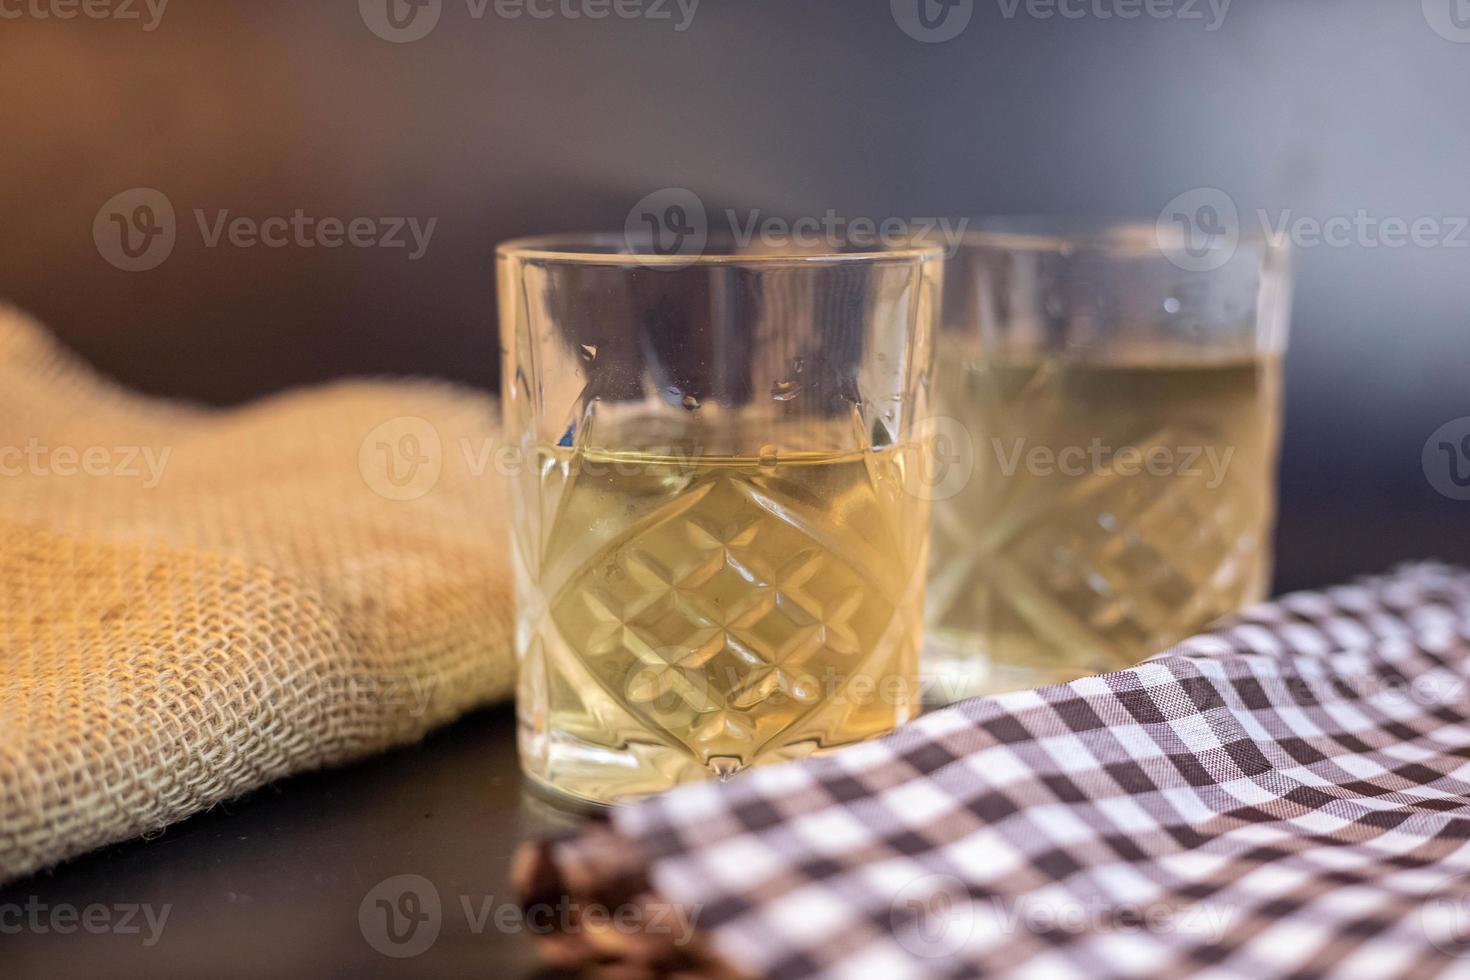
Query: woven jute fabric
{"points": [[1287, 795], [196, 602]]}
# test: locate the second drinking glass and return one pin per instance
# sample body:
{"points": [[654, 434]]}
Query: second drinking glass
{"points": [[719, 554], [1112, 397]]}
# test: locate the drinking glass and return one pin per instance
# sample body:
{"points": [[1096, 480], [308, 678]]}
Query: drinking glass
{"points": [[1111, 393], [719, 552]]}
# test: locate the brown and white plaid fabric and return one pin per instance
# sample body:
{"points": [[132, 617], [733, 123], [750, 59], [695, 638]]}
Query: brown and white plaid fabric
{"points": [[1287, 795]]}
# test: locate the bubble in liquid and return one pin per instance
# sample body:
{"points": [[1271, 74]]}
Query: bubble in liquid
{"points": [[768, 456], [1172, 305]]}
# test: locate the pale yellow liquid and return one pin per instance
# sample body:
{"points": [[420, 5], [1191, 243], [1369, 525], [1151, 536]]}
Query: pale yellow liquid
{"points": [[687, 618], [1040, 575]]}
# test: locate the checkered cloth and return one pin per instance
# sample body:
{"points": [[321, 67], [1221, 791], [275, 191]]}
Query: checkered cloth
{"points": [[1287, 795]]}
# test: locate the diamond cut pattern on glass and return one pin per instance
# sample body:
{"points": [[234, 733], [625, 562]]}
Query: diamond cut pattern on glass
{"points": [[699, 645], [1138, 556]]}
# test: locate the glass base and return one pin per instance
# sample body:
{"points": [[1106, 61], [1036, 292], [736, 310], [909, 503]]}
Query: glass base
{"points": [[958, 666], [559, 801], [576, 774], [582, 777]]}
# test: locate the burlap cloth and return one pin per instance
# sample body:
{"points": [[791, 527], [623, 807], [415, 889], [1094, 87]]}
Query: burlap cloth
{"points": [[195, 602]]}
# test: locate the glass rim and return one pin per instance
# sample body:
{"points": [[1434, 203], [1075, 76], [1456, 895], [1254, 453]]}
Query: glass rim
{"points": [[608, 248], [1120, 235]]}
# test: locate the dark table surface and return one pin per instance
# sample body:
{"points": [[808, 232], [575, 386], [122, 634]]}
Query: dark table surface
{"points": [[271, 885]]}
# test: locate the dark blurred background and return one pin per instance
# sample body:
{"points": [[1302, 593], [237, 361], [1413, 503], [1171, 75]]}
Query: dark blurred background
{"points": [[499, 126]]}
